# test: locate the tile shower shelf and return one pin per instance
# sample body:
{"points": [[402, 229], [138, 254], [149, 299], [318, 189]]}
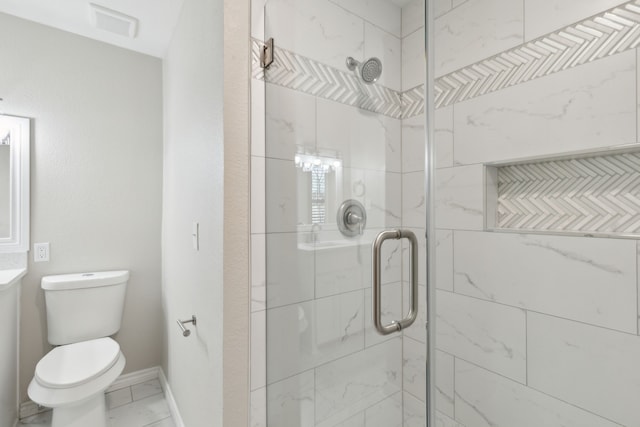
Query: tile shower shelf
{"points": [[594, 193]]}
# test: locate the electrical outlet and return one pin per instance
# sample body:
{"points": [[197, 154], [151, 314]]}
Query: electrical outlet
{"points": [[40, 252]]}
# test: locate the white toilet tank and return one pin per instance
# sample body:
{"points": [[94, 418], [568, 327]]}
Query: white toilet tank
{"points": [[84, 306]]}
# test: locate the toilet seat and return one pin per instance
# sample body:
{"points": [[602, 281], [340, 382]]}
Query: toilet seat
{"points": [[85, 388], [75, 364]]}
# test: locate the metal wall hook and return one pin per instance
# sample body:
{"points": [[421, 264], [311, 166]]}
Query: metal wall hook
{"points": [[186, 332]]}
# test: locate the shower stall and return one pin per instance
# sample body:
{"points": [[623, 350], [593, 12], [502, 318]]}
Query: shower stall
{"points": [[445, 213]]}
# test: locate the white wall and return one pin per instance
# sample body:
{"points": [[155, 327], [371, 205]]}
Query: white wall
{"points": [[193, 192], [96, 163]]}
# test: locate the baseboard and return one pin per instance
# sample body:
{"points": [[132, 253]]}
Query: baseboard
{"points": [[171, 401], [30, 408]]}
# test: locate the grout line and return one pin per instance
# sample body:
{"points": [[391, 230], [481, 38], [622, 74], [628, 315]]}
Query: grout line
{"points": [[541, 313], [360, 350], [526, 347], [537, 390]]}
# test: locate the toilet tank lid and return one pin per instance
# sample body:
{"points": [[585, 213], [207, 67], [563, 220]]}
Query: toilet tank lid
{"points": [[83, 280]]}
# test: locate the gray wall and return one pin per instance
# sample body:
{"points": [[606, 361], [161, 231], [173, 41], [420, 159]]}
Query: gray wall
{"points": [[96, 164]]}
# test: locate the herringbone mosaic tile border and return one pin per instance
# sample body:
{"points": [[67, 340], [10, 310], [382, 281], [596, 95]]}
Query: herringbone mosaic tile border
{"points": [[597, 194], [298, 72], [605, 34]]}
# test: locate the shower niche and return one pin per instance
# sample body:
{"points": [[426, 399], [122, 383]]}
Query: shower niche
{"points": [[587, 193]]}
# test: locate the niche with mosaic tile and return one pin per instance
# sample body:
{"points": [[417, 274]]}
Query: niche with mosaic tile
{"points": [[594, 194]]}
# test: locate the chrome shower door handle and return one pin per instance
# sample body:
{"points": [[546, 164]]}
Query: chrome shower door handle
{"points": [[412, 314]]}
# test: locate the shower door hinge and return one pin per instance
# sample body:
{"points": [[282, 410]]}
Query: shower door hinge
{"points": [[266, 55]]}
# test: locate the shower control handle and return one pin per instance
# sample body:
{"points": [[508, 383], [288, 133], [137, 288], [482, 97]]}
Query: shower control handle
{"points": [[412, 314]]}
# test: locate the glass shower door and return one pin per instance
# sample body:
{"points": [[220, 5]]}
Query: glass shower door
{"points": [[344, 161]]}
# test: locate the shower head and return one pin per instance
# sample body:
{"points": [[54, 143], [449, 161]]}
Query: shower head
{"points": [[369, 71]]}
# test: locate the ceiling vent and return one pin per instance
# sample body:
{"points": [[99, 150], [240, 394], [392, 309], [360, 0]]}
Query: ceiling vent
{"points": [[113, 21]]}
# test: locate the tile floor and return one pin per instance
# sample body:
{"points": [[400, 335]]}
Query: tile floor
{"points": [[141, 405]]}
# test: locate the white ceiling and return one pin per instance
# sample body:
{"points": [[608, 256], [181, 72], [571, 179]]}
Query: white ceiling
{"points": [[156, 19]]}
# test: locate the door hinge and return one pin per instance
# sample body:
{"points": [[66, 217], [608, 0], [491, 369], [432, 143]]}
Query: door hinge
{"points": [[266, 55]]}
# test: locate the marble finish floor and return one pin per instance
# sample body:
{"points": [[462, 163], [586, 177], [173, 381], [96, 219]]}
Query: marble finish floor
{"points": [[141, 405]]}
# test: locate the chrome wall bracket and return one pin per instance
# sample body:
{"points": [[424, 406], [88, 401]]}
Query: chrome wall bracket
{"points": [[266, 54], [186, 332], [351, 218]]}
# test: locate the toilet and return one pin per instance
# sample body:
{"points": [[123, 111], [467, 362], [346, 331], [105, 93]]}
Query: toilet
{"points": [[83, 310]]}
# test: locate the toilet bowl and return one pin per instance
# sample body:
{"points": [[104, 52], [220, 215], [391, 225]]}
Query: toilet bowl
{"points": [[72, 379], [82, 311]]}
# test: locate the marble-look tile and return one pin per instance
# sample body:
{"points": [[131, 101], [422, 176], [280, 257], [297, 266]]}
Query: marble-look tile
{"points": [[585, 107], [413, 60], [444, 260], [258, 414], [456, 3], [638, 286], [444, 421], [257, 19], [418, 330], [391, 310], [118, 397], [316, 29], [290, 122], [545, 16], [422, 256], [258, 350], [476, 30], [355, 382], [413, 144], [387, 48], [414, 212], [445, 391], [593, 368], [258, 200], [459, 198], [413, 411], [290, 269], [258, 117], [443, 137], [440, 7], [291, 402], [379, 192], [306, 335], [357, 420], [638, 95], [167, 422], [413, 14], [490, 335], [484, 398], [579, 278], [342, 268], [281, 196], [387, 413], [146, 389], [383, 13], [414, 368], [360, 138], [140, 413], [258, 272]]}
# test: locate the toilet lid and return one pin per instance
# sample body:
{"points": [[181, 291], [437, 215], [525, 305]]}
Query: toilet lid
{"points": [[75, 364]]}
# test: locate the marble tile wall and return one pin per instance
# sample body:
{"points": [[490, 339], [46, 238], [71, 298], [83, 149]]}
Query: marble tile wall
{"points": [[315, 358], [532, 329]]}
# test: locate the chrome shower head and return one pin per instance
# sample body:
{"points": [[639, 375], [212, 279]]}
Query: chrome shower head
{"points": [[369, 71]]}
